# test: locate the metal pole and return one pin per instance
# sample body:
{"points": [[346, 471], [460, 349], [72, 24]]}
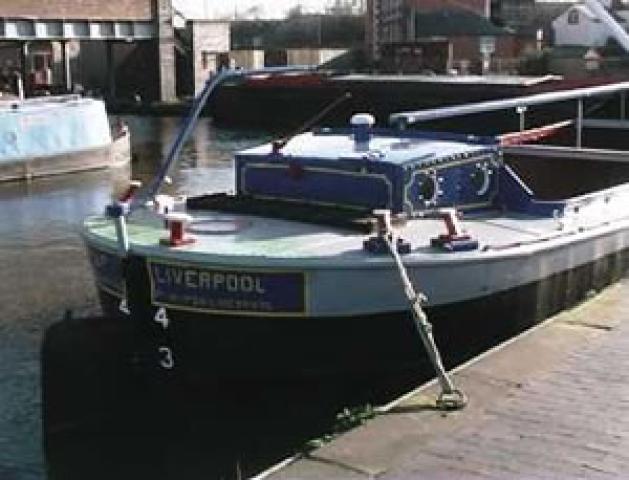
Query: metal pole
{"points": [[579, 122], [23, 68], [122, 235], [522, 112], [507, 103], [623, 105], [20, 86], [67, 72], [111, 71], [117, 211]]}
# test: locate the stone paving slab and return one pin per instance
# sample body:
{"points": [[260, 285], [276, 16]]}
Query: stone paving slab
{"points": [[551, 404]]}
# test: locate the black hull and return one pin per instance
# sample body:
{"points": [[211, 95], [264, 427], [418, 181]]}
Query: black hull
{"points": [[243, 105], [208, 346]]}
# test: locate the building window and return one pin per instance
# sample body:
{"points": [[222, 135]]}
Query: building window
{"points": [[205, 60], [573, 17]]}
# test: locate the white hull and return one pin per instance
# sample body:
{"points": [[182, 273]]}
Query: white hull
{"points": [[349, 282], [117, 154]]}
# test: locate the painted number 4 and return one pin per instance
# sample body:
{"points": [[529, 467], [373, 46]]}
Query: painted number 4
{"points": [[162, 318]]}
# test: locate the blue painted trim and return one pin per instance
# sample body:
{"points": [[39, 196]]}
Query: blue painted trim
{"points": [[355, 183], [318, 184]]}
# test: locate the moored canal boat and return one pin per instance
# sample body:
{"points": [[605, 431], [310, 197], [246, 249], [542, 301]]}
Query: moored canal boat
{"points": [[61, 134], [292, 272]]}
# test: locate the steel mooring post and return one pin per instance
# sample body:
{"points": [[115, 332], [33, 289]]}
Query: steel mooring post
{"points": [[521, 111]]}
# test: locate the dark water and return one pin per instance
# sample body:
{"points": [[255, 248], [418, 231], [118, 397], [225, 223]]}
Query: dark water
{"points": [[45, 273]]}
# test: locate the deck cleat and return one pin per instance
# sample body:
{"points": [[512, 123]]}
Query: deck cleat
{"points": [[377, 244], [177, 223], [455, 240]]}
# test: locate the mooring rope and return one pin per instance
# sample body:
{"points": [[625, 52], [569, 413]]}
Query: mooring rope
{"points": [[450, 397]]}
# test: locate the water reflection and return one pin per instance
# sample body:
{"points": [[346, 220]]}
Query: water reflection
{"points": [[45, 271], [206, 160], [42, 265]]}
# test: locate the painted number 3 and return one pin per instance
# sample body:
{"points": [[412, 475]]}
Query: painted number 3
{"points": [[166, 358]]}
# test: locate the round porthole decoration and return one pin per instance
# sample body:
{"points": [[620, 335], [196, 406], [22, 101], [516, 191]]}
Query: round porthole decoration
{"points": [[481, 178], [426, 188], [422, 190]]}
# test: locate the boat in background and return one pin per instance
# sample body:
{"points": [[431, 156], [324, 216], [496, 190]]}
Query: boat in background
{"points": [[297, 96], [58, 134], [304, 269]]}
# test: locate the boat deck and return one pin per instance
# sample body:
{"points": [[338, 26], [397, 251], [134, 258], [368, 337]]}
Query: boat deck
{"points": [[219, 236], [514, 250], [552, 403]]}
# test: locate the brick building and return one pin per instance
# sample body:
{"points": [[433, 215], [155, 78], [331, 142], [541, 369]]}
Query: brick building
{"points": [[413, 35], [79, 9], [118, 48], [391, 21]]}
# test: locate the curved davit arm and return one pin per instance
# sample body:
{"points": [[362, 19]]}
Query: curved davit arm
{"points": [[615, 29]]}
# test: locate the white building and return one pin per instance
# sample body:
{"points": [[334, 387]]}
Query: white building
{"points": [[210, 49], [579, 26]]}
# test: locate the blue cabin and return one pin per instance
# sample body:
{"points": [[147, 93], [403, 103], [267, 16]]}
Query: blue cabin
{"points": [[410, 172], [403, 171]]}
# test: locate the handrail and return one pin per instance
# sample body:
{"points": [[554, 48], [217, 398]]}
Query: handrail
{"points": [[407, 118]]}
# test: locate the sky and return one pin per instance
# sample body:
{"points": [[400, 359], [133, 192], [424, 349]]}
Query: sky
{"points": [[226, 8]]}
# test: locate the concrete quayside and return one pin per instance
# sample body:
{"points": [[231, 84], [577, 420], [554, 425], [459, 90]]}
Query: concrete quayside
{"points": [[550, 403]]}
